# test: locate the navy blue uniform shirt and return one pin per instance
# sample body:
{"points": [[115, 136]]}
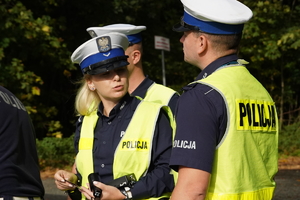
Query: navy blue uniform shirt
{"points": [[201, 119], [108, 133], [142, 89], [19, 169]]}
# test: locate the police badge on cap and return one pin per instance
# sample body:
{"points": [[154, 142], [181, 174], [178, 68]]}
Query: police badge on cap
{"points": [[104, 43], [92, 33], [102, 53]]}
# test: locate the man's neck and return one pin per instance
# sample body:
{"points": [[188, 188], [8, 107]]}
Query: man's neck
{"points": [[135, 79], [212, 57]]}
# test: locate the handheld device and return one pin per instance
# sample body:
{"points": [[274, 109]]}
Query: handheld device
{"points": [[96, 191], [73, 184], [124, 181]]}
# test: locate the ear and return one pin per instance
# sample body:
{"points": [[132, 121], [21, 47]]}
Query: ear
{"points": [[202, 44], [90, 84], [135, 56]]}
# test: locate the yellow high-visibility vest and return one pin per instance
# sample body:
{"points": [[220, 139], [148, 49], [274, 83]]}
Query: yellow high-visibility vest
{"points": [[159, 94], [133, 153], [246, 159]]}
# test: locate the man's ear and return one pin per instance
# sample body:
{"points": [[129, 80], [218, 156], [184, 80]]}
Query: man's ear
{"points": [[202, 44], [135, 56]]}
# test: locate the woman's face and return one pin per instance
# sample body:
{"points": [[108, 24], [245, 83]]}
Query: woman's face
{"points": [[112, 85]]}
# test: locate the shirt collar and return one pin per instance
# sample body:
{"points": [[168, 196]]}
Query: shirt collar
{"points": [[213, 66], [124, 101]]}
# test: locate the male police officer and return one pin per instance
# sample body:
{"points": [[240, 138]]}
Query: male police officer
{"points": [[227, 131], [19, 170], [139, 84]]}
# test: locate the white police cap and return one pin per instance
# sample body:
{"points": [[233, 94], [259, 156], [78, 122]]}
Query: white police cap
{"points": [[102, 53], [214, 16], [131, 31]]}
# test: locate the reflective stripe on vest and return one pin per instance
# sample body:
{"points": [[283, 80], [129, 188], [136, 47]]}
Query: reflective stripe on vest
{"points": [[159, 94], [246, 159], [85, 146], [133, 153]]}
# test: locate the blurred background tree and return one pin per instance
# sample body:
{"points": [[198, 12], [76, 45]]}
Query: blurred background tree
{"points": [[272, 44], [35, 64], [38, 37]]}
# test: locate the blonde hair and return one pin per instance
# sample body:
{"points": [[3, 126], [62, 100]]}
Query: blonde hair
{"points": [[86, 101]]}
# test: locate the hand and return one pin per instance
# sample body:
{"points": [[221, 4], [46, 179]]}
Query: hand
{"points": [[87, 192], [60, 180], [108, 192]]}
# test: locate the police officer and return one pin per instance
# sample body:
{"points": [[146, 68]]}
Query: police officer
{"points": [[117, 134], [139, 84], [19, 168], [227, 131]]}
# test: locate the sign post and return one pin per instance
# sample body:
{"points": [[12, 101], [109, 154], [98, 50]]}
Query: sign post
{"points": [[163, 44]]}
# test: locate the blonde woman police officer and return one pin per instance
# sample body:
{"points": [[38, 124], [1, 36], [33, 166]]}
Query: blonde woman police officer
{"points": [[117, 134]]}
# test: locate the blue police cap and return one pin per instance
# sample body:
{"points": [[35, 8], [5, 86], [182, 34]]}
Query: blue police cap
{"points": [[214, 16], [131, 31], [102, 53]]}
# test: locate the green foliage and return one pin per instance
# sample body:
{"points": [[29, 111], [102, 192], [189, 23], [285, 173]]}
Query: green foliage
{"points": [[56, 152], [289, 143], [34, 62], [271, 44]]}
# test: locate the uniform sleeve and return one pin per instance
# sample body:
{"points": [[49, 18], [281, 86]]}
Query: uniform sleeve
{"points": [[200, 123], [173, 102], [158, 180]]}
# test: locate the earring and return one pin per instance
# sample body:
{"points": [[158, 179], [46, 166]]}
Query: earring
{"points": [[92, 88]]}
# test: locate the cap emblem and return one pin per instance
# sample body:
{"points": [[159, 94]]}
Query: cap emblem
{"points": [[92, 33], [104, 44]]}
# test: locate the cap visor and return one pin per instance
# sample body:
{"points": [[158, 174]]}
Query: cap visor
{"points": [[179, 28], [109, 67]]}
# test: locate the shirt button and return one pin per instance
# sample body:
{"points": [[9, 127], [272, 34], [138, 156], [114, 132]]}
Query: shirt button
{"points": [[109, 123], [102, 165], [104, 142]]}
